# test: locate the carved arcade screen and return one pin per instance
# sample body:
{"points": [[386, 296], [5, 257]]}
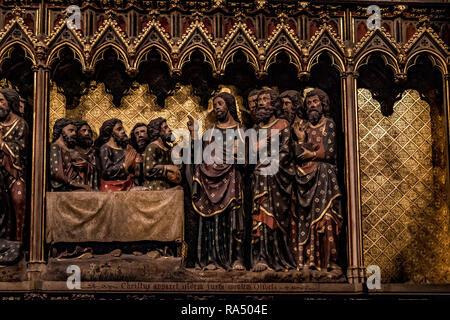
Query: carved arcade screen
{"points": [[218, 148]]}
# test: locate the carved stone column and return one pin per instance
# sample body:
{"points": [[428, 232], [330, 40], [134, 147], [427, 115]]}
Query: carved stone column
{"points": [[38, 180], [355, 271]]}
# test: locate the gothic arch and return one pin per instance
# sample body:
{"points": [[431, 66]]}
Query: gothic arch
{"points": [[120, 53], [251, 57], [28, 51], [164, 54], [333, 55], [388, 57], [55, 51], [440, 63], [209, 57], [272, 56]]}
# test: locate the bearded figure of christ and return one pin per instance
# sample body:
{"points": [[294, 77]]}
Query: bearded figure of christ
{"points": [[217, 191]]}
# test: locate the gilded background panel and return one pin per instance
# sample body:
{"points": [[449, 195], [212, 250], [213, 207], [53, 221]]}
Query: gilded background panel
{"points": [[402, 170], [138, 106]]}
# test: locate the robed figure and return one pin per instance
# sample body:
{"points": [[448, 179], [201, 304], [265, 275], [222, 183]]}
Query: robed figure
{"points": [[159, 172], [139, 140], [272, 188], [13, 144], [86, 155], [318, 192], [9, 250], [217, 193], [116, 157], [66, 166]]}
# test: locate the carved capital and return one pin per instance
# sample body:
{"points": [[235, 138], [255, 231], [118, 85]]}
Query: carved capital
{"points": [[175, 56], [41, 51], [349, 49], [350, 73], [174, 3], [402, 57], [132, 51], [40, 66], [349, 63]]}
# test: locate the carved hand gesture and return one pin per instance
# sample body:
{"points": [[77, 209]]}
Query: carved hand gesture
{"points": [[130, 157], [299, 132], [173, 174], [80, 163], [307, 155]]}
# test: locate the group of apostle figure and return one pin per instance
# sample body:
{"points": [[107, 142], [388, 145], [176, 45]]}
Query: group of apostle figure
{"points": [[113, 162], [295, 212]]}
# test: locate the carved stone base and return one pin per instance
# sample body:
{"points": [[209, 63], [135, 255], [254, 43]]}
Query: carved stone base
{"points": [[130, 267], [141, 275]]}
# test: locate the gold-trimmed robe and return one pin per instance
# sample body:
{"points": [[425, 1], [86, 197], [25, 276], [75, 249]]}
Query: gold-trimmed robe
{"points": [[13, 160], [271, 212], [315, 242], [154, 172], [217, 198]]}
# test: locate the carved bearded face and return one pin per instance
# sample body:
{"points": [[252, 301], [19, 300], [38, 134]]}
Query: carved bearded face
{"points": [[119, 135], [69, 134], [264, 100], [141, 136], [288, 109], [265, 109], [220, 109], [314, 109], [84, 137], [4, 108], [166, 133]]}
